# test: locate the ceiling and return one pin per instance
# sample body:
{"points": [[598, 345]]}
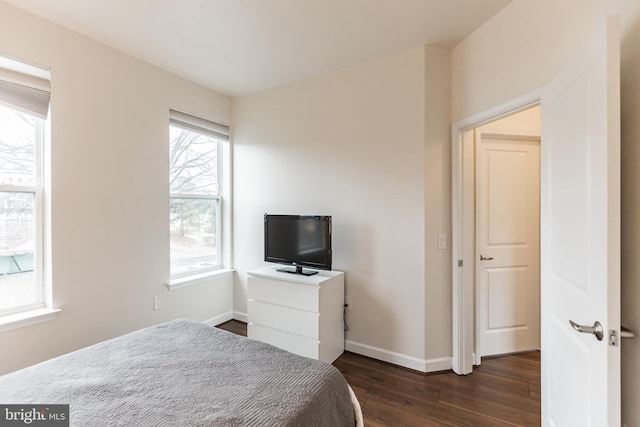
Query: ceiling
{"points": [[238, 47]]}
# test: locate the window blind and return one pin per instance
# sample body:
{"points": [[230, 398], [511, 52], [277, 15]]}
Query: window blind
{"points": [[199, 124], [24, 87]]}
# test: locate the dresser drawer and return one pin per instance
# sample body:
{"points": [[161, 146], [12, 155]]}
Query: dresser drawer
{"points": [[286, 319], [303, 346], [290, 294]]}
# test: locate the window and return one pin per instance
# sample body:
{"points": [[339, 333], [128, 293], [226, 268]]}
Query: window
{"points": [[195, 194], [24, 103]]}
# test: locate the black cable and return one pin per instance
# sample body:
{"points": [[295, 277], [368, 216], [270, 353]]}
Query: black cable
{"points": [[344, 317]]}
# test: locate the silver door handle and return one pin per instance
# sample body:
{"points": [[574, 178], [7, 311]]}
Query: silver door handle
{"points": [[596, 329], [482, 258]]}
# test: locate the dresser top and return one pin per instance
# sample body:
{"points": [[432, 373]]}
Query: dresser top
{"points": [[271, 273]]}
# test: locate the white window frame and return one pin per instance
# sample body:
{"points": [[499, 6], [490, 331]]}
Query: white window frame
{"points": [[220, 132], [25, 87]]}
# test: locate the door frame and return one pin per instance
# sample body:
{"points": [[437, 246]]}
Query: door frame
{"points": [[463, 227]]}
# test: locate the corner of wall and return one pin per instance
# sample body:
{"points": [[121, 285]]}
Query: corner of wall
{"points": [[437, 187]]}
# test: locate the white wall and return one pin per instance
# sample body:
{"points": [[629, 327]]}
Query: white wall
{"points": [[520, 50], [437, 187], [348, 144], [109, 197]]}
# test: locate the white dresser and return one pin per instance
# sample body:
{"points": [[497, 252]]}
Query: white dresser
{"points": [[301, 314]]}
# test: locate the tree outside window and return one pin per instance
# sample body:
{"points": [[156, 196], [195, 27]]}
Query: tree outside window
{"points": [[194, 201], [20, 182]]}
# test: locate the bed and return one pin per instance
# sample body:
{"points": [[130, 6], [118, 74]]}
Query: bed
{"points": [[186, 373]]}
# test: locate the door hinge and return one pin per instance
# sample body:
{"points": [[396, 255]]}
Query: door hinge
{"points": [[459, 263], [613, 338]]}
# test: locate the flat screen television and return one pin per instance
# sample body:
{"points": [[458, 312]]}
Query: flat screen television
{"points": [[298, 241]]}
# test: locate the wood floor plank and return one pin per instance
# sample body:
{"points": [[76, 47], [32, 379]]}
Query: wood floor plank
{"points": [[502, 391], [414, 398], [513, 366], [381, 414], [486, 383], [235, 326], [478, 404]]}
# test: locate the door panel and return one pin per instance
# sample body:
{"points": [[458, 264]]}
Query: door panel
{"points": [[580, 229], [507, 224], [507, 296], [569, 167], [507, 227], [572, 361]]}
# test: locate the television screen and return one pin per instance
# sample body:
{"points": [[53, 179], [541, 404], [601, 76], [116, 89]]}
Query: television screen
{"points": [[298, 240]]}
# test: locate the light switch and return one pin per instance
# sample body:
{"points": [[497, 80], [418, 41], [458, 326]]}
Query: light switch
{"points": [[442, 241]]}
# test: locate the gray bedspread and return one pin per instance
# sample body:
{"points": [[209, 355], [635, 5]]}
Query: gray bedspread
{"points": [[185, 373]]}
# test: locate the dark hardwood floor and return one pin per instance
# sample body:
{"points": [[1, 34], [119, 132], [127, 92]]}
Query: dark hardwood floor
{"points": [[235, 326], [503, 391]]}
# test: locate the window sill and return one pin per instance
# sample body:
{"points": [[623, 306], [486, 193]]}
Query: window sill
{"points": [[197, 279], [27, 318]]}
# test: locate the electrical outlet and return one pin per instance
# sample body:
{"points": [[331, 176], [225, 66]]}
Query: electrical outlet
{"points": [[157, 302], [347, 303]]}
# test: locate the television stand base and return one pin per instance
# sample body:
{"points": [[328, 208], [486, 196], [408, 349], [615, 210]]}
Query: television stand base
{"points": [[298, 270]]}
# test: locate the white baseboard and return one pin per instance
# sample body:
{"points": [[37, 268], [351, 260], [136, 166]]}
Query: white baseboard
{"points": [[240, 316], [439, 364], [215, 321], [422, 365]]}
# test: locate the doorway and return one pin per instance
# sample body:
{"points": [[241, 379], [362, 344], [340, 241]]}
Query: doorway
{"points": [[507, 234], [466, 354]]}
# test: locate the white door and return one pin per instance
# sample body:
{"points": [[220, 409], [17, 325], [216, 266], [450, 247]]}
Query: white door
{"points": [[508, 242], [580, 229]]}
